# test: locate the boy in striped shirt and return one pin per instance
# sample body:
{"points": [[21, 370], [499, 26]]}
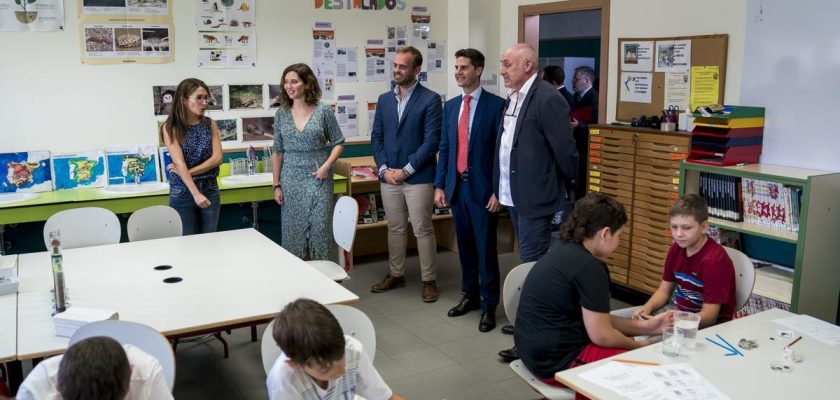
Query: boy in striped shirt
{"points": [[698, 275]]}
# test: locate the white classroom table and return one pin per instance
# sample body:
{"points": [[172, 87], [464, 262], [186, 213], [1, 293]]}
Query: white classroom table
{"points": [[748, 377], [230, 278], [8, 318]]}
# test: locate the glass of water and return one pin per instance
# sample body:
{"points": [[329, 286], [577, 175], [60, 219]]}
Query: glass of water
{"points": [[689, 322], [672, 341]]}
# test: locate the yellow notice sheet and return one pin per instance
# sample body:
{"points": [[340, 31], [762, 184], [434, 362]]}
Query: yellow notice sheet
{"points": [[705, 85]]}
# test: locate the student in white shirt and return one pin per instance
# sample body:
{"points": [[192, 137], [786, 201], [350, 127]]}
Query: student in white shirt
{"points": [[97, 368], [318, 362]]}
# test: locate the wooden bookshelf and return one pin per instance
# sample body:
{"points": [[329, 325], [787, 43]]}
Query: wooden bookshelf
{"points": [[815, 289]]}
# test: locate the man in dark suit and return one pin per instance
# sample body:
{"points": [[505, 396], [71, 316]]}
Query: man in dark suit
{"points": [[537, 160], [584, 112], [404, 142], [555, 75], [464, 180]]}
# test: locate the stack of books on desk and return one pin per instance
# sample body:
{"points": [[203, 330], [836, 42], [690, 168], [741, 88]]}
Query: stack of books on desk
{"points": [[68, 322]]}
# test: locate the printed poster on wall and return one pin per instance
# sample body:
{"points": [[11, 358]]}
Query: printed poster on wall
{"points": [[436, 54], [371, 113], [375, 61], [323, 58], [677, 91], [636, 86], [126, 31], [346, 111], [637, 56], [226, 33], [347, 64], [705, 85], [421, 30], [673, 56], [31, 15]]}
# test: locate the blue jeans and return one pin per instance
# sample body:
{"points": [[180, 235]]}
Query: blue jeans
{"points": [[195, 219]]}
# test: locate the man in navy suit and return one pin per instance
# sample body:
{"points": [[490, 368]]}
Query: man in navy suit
{"points": [[537, 160], [555, 75], [404, 141], [464, 180]]}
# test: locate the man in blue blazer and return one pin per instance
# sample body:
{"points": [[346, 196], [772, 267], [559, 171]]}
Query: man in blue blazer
{"points": [[464, 180], [404, 141]]}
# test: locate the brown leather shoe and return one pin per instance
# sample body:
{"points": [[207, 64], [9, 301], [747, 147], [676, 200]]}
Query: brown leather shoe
{"points": [[430, 292], [389, 283]]}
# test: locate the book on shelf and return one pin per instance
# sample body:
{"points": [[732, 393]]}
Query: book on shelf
{"points": [[769, 204], [361, 173]]}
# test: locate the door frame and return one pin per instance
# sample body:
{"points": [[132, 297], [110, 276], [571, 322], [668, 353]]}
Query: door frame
{"points": [[527, 11]]}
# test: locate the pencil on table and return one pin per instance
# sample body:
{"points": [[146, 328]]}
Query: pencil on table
{"points": [[794, 341], [635, 361]]}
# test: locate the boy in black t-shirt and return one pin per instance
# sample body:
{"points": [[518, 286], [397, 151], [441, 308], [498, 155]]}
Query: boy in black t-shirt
{"points": [[563, 317]]}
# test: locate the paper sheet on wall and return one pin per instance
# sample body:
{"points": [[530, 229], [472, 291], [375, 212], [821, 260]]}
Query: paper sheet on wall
{"points": [[705, 84], [673, 56], [490, 82], [375, 65], [347, 113], [323, 58], [813, 328], [347, 64], [226, 35], [421, 30], [637, 56], [371, 113], [677, 90], [436, 54], [126, 32], [44, 15], [636, 86]]}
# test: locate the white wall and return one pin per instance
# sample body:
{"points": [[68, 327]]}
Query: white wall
{"points": [[49, 100], [632, 18], [792, 68]]}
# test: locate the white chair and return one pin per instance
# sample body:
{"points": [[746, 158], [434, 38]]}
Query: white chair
{"points": [[344, 231], [83, 227], [511, 291], [141, 336], [154, 222], [744, 277], [353, 322]]}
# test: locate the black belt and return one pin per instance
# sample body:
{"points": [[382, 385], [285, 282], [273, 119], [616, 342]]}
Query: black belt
{"points": [[464, 177]]}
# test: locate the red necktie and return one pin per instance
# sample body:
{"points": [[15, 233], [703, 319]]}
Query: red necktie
{"points": [[463, 130]]}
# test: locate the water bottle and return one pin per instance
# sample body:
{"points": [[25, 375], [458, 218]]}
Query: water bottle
{"points": [[58, 272]]}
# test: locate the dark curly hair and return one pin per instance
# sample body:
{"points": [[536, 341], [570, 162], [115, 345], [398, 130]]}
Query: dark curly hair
{"points": [[592, 213], [311, 89]]}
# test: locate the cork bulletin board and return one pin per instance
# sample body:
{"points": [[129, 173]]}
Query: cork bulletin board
{"points": [[706, 50]]}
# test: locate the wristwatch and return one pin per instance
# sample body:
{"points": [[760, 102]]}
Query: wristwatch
{"points": [[277, 186]]}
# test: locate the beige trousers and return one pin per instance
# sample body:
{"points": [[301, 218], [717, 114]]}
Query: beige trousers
{"points": [[416, 202]]}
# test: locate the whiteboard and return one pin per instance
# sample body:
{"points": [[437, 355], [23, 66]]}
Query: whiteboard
{"points": [[792, 67]]}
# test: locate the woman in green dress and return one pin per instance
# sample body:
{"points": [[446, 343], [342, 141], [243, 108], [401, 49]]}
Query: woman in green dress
{"points": [[307, 141]]}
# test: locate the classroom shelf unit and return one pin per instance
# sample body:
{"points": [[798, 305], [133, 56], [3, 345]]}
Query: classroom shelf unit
{"points": [[816, 281], [640, 168]]}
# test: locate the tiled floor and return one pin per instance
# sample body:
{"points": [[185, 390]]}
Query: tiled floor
{"points": [[421, 353]]}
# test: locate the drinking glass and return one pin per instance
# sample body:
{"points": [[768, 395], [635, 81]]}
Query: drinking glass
{"points": [[672, 341], [689, 322]]}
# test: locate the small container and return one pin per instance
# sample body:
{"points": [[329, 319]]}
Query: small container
{"points": [[8, 281]]}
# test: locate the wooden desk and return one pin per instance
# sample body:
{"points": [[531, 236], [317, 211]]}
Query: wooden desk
{"points": [[748, 377], [49, 203], [230, 279]]}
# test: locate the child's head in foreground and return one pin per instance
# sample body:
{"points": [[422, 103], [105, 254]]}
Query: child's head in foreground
{"points": [[94, 368], [311, 338], [596, 219]]}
